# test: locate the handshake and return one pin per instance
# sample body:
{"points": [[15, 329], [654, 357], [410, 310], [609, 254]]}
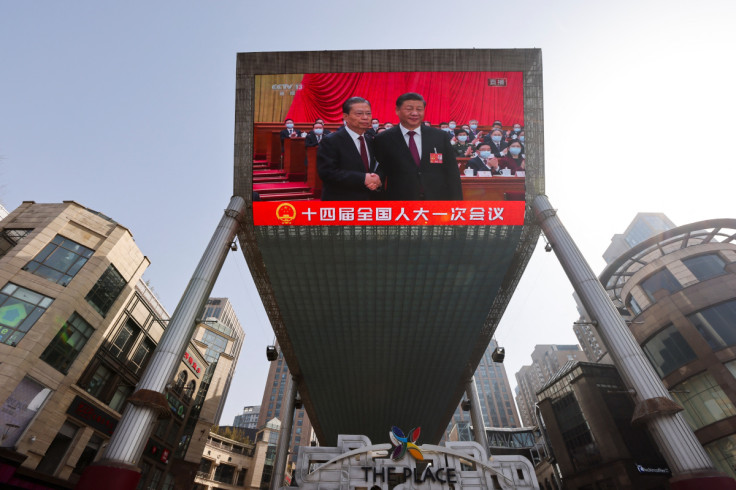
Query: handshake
{"points": [[372, 181]]}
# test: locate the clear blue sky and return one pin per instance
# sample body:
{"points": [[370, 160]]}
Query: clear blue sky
{"points": [[128, 108]]}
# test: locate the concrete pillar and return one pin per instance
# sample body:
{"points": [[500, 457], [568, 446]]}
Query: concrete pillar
{"points": [[117, 469], [479, 426], [690, 465], [282, 447]]}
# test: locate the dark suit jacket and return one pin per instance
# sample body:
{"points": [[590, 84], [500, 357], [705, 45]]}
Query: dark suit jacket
{"points": [[496, 149], [430, 181], [284, 134], [476, 164], [342, 171], [311, 139]]}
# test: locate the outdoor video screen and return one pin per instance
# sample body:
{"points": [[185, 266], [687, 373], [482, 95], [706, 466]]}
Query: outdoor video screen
{"points": [[389, 148]]}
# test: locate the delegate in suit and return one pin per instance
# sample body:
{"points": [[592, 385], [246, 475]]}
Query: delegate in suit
{"points": [[418, 161], [346, 162]]}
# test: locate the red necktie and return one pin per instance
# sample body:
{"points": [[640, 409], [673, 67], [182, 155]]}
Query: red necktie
{"points": [[364, 153], [413, 147]]}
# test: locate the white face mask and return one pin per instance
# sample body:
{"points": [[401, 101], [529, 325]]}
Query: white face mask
{"points": [[375, 127], [462, 139]]}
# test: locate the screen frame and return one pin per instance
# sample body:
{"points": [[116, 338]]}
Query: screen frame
{"points": [[528, 61]]}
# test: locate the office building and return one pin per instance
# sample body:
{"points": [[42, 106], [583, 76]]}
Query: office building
{"points": [[642, 227], [495, 396], [547, 360], [586, 413], [77, 329], [679, 291], [249, 418], [277, 384]]}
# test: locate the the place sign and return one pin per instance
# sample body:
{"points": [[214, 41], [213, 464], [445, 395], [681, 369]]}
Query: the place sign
{"points": [[441, 475]]}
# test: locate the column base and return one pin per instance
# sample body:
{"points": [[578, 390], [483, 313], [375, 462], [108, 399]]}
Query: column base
{"points": [[712, 480], [110, 475]]}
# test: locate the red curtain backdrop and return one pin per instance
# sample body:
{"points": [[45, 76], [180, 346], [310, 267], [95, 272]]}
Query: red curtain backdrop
{"points": [[458, 96]]}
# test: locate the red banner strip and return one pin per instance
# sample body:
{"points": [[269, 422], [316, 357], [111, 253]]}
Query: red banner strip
{"points": [[387, 213]]}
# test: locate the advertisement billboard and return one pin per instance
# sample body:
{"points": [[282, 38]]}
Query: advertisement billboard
{"points": [[385, 259]]}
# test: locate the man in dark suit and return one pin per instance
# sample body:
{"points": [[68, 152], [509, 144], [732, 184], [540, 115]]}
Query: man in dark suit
{"points": [[373, 130], [497, 143], [322, 122], [346, 161], [289, 131], [484, 162], [314, 137], [418, 160]]}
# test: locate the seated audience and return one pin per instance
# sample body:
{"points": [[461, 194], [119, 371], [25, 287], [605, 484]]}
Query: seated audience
{"points": [[497, 143], [484, 161], [462, 147], [514, 133], [314, 137], [515, 158]]}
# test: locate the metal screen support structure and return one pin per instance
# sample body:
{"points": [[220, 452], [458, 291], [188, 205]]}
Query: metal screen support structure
{"points": [[282, 447], [479, 427], [690, 465], [117, 469]]}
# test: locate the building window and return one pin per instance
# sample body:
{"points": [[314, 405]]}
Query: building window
{"points": [[668, 350], [98, 381], [215, 345], [107, 289], [188, 392], [224, 473], [716, 324], [703, 400], [705, 266], [60, 260], [125, 339], [9, 237], [119, 398], [68, 343], [142, 354], [19, 310], [578, 439], [633, 305], [660, 280], [181, 380], [723, 454]]}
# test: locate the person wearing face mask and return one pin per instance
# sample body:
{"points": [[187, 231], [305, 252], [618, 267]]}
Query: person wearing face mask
{"points": [[373, 130], [515, 160], [289, 131], [314, 137], [462, 146], [325, 131], [514, 133], [444, 126], [484, 162], [452, 125], [473, 131], [497, 143], [521, 137]]}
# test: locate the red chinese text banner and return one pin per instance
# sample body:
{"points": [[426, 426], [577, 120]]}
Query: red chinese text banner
{"points": [[388, 213], [458, 96]]}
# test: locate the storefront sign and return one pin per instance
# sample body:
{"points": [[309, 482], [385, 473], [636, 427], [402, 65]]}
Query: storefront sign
{"points": [[83, 410]]}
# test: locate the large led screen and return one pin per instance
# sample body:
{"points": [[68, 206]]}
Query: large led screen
{"points": [[389, 148]]}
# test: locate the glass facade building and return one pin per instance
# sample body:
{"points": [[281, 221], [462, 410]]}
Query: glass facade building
{"points": [[678, 290]]}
